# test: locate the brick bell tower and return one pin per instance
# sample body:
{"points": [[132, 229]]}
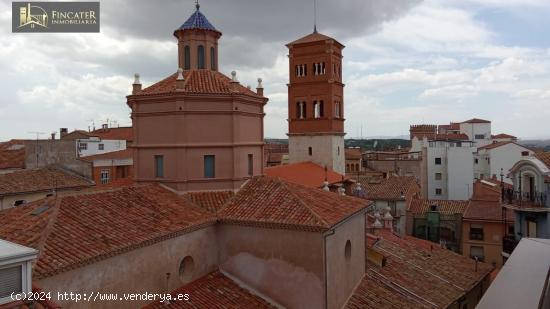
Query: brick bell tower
{"points": [[316, 101]]}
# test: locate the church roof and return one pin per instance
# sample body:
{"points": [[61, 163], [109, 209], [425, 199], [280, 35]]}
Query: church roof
{"points": [[199, 81], [313, 37], [197, 21]]}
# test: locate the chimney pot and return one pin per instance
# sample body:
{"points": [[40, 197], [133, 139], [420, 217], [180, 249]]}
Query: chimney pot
{"points": [[180, 80], [63, 132], [260, 88]]}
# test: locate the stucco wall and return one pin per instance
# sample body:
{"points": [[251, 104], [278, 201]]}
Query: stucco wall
{"points": [[55, 152], [138, 271], [344, 273], [505, 157], [460, 171], [491, 243], [285, 265]]}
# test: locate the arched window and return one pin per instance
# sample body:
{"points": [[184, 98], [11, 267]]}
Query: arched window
{"points": [[200, 57], [187, 57], [321, 109], [337, 110], [212, 58]]}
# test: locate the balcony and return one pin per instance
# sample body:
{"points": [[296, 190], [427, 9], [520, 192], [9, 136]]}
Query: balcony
{"points": [[509, 243], [519, 200]]}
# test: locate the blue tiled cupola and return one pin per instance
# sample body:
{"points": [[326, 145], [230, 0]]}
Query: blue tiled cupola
{"points": [[197, 21]]}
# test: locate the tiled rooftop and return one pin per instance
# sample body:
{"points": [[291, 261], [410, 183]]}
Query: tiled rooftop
{"points": [[39, 180], [199, 81], [71, 231], [270, 202], [499, 144], [197, 20], [352, 153], [487, 210], [210, 201], [417, 274], [12, 154], [393, 188], [119, 133], [476, 120], [304, 173], [544, 157], [214, 290], [312, 37], [503, 135], [449, 207], [441, 137]]}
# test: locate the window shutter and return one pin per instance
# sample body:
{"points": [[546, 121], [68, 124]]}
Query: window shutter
{"points": [[11, 281]]}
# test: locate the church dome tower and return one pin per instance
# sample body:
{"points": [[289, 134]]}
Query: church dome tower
{"points": [[197, 43], [316, 101]]}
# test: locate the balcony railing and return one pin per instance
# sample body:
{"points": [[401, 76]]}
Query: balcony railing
{"points": [[509, 243], [537, 199]]}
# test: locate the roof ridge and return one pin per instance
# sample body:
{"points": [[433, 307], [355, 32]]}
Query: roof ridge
{"points": [[49, 227], [285, 185]]}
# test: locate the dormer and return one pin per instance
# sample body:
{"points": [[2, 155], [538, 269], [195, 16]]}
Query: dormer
{"points": [[15, 270]]}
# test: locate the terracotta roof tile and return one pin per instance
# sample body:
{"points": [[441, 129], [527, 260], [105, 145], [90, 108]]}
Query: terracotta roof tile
{"points": [[353, 153], [499, 144], [304, 173], [72, 231], [272, 202], [210, 201], [38, 180], [476, 120], [503, 135], [214, 290], [198, 81], [421, 206], [12, 154], [393, 188], [120, 133], [312, 37], [544, 157], [113, 155], [418, 273]]}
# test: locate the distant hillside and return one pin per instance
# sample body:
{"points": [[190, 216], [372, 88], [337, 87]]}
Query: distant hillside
{"points": [[365, 144], [543, 144]]}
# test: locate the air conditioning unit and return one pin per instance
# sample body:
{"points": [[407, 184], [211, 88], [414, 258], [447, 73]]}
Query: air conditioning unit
{"points": [[15, 270]]}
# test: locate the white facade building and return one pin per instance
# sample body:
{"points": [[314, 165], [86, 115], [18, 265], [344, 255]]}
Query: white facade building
{"points": [[94, 146], [449, 168], [493, 159], [478, 130]]}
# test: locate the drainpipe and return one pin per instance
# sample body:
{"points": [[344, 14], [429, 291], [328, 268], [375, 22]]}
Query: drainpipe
{"points": [[328, 233]]}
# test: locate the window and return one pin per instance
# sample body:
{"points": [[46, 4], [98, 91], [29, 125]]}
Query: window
{"points": [[318, 109], [524, 153], [310, 151], [159, 166], [476, 161], [347, 250], [200, 57], [476, 232], [187, 58], [301, 110], [209, 166], [11, 281], [301, 70], [438, 191], [319, 68], [477, 251], [83, 146], [212, 58], [104, 177], [100, 146], [19, 203], [337, 109], [187, 266], [479, 136], [250, 164], [438, 176], [437, 161]]}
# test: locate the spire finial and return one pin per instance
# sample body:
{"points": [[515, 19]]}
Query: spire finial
{"points": [[314, 16], [197, 5]]}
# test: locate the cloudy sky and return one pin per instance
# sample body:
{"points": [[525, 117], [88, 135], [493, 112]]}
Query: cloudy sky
{"points": [[406, 62]]}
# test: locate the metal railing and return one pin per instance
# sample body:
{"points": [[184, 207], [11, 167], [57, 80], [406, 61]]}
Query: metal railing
{"points": [[524, 198]]}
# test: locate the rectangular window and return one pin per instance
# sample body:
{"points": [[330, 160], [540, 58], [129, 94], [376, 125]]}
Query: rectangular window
{"points": [[437, 161], [438, 176], [477, 251], [11, 281], [209, 166], [476, 232], [310, 151], [83, 146], [524, 153], [104, 176], [101, 147], [438, 191], [159, 166], [476, 161], [479, 136], [250, 164]]}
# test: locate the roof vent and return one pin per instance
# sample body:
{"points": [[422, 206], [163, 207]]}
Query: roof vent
{"points": [[433, 208], [40, 210]]}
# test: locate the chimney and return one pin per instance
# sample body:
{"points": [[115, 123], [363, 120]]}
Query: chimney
{"points": [[260, 88], [388, 219], [180, 80], [53, 136], [136, 86], [234, 81], [63, 132], [105, 126]]}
